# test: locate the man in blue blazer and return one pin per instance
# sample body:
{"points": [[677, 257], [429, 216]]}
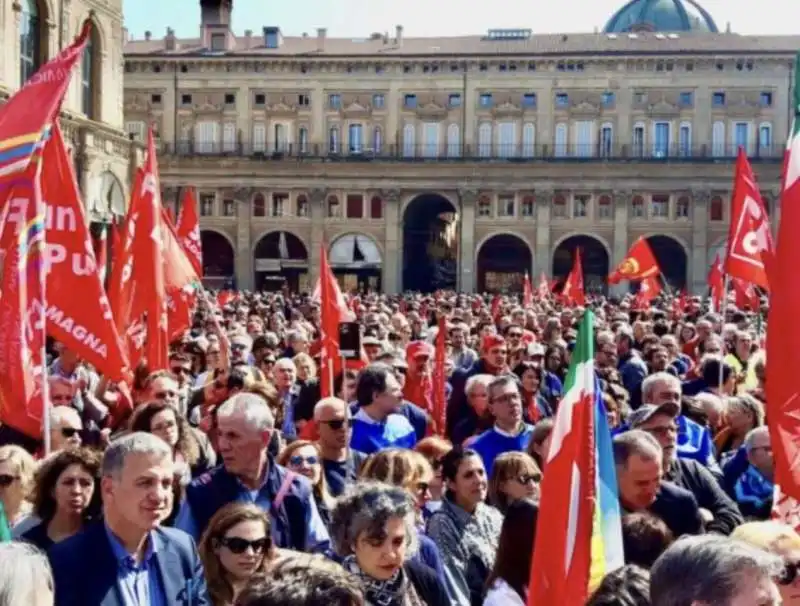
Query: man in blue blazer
{"points": [[126, 559]]}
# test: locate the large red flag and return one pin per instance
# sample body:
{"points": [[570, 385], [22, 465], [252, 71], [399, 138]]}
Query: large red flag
{"points": [[783, 380], [180, 280], [439, 379], [638, 264], [188, 230], [750, 248], [649, 289], [716, 282], [24, 122], [573, 291], [329, 326]]}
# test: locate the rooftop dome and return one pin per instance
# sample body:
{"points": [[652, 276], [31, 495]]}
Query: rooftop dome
{"points": [[661, 16]]}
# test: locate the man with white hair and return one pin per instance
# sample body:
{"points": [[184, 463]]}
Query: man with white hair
{"points": [[25, 575], [754, 488], [284, 375], [65, 428], [250, 475]]}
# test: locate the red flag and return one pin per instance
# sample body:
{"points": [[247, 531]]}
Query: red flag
{"points": [[573, 292], [638, 264], [329, 326], [679, 304], [716, 282], [495, 309], [750, 247], [649, 289], [24, 122], [544, 289], [180, 281], [746, 295], [171, 216], [783, 380], [188, 230], [439, 379], [527, 291]]}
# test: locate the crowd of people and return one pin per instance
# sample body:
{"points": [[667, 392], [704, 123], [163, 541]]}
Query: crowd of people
{"points": [[231, 481]]}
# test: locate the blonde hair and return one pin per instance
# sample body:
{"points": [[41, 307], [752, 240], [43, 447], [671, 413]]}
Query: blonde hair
{"points": [[26, 465], [394, 466], [769, 535], [304, 358], [507, 466]]}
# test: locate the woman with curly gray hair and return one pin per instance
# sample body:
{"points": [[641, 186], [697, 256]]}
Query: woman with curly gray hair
{"points": [[373, 529]]}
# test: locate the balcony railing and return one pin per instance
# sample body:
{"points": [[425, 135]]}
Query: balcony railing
{"points": [[472, 153]]}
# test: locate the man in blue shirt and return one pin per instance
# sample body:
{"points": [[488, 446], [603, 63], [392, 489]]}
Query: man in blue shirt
{"points": [[126, 559], [250, 475]]}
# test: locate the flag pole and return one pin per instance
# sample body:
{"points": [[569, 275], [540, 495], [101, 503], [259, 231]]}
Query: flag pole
{"points": [[40, 211], [723, 308]]}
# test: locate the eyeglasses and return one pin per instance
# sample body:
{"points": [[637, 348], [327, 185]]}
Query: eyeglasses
{"points": [[7, 480], [69, 432], [163, 395], [423, 487], [238, 545], [337, 424], [181, 370], [789, 574], [297, 460], [663, 431], [529, 478], [515, 335]]}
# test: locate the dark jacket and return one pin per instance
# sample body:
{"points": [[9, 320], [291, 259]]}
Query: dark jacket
{"points": [[698, 480], [632, 370], [678, 508], [85, 569], [457, 405], [428, 586]]}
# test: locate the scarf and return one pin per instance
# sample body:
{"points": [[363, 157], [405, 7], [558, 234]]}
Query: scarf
{"points": [[391, 592]]}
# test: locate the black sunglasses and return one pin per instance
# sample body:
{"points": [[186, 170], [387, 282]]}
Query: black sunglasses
{"points": [[7, 480], [238, 545], [69, 432], [337, 424]]}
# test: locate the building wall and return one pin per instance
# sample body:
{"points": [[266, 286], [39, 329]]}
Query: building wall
{"points": [[99, 141]]}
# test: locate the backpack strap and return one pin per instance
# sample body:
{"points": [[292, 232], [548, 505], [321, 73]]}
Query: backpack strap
{"points": [[286, 485]]}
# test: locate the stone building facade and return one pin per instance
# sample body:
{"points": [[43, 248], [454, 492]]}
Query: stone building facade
{"points": [[422, 163], [33, 32]]}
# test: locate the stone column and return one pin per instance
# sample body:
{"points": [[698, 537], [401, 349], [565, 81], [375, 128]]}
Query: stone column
{"points": [[244, 247], [391, 268], [697, 266], [542, 261], [317, 214], [619, 248], [466, 245]]}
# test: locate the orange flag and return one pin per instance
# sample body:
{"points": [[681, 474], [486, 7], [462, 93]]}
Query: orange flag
{"points": [[638, 264]]}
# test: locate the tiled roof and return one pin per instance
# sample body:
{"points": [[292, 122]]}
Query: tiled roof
{"points": [[537, 44]]}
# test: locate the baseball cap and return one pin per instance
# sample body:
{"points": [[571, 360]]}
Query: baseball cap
{"points": [[646, 411]]}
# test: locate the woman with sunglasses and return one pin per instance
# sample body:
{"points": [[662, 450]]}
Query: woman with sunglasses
{"points": [[515, 476], [236, 545], [303, 457], [66, 496], [17, 469]]}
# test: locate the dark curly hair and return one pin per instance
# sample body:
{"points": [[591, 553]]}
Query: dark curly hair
{"points": [[44, 503], [187, 445]]}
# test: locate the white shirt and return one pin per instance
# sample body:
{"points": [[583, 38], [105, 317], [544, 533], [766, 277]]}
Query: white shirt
{"points": [[501, 594]]}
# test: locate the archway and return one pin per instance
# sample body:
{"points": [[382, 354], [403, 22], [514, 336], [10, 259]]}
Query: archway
{"points": [[356, 262], [430, 244], [281, 261], [218, 260], [502, 263], [671, 258], [594, 260]]}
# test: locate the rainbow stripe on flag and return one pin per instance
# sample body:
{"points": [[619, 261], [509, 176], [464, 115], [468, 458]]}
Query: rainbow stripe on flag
{"points": [[16, 153]]}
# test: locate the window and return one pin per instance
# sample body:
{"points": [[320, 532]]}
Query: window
{"points": [[528, 140], [137, 129], [430, 132], [742, 136], [766, 99], [486, 100], [686, 99], [484, 207], [716, 208], [355, 206], [259, 99], [259, 206], [580, 207], [559, 207], [608, 99], [529, 100], [259, 138], [561, 142], [280, 205], [31, 42], [302, 206], [378, 101], [207, 202], [280, 141], [506, 206], [217, 42], [765, 139], [637, 207], [409, 141], [682, 208], [334, 210], [377, 139], [334, 101], [485, 140], [410, 101], [206, 137], [272, 39], [453, 141], [155, 99], [88, 73], [333, 140], [661, 142], [454, 100], [718, 100], [528, 206], [659, 206], [562, 100], [302, 140], [718, 139], [186, 99], [228, 208], [584, 135], [230, 99], [507, 139], [638, 140], [607, 140], [229, 138], [376, 208], [685, 140], [355, 140], [604, 207], [303, 100], [639, 98]]}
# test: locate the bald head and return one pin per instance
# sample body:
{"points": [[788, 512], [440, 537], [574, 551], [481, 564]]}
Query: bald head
{"points": [[330, 408]]}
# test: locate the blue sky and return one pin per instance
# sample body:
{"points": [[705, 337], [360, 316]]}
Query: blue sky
{"points": [[359, 18]]}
